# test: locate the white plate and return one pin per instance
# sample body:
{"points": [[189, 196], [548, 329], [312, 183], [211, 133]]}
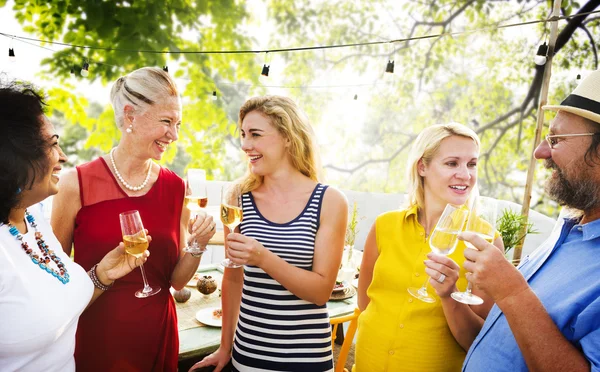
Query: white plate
{"points": [[205, 316]]}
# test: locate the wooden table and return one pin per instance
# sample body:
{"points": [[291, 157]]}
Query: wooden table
{"points": [[197, 340]]}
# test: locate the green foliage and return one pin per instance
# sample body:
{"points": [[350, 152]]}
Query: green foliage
{"points": [[510, 224], [473, 78], [124, 26], [351, 229]]}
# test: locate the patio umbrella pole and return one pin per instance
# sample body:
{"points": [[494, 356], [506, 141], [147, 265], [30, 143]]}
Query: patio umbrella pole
{"points": [[540, 123]]}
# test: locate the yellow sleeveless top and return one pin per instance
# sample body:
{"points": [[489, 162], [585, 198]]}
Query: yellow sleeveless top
{"points": [[398, 332]]}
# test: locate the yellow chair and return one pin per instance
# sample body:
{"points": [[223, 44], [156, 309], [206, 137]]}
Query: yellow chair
{"points": [[348, 338]]}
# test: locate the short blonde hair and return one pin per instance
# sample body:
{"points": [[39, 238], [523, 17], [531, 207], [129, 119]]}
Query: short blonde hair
{"points": [[141, 89], [292, 123], [424, 148]]}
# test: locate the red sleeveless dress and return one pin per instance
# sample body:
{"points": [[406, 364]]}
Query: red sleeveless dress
{"points": [[120, 332]]}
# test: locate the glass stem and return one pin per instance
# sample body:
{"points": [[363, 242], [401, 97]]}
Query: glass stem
{"points": [[147, 288], [469, 287], [424, 286]]}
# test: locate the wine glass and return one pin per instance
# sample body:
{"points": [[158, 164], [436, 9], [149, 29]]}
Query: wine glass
{"points": [[482, 221], [196, 198], [231, 215], [443, 241], [136, 242]]}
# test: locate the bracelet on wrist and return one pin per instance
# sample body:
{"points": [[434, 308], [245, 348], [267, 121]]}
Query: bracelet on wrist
{"points": [[97, 283]]}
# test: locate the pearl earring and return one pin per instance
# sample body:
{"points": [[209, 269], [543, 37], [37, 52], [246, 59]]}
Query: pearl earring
{"points": [[130, 129]]}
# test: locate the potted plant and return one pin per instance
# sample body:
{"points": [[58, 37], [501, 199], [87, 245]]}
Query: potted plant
{"points": [[510, 225], [348, 267]]}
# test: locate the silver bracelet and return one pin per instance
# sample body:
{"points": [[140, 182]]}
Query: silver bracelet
{"points": [[97, 283], [196, 255]]}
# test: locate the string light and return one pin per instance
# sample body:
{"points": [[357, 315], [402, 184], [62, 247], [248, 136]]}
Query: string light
{"points": [[265, 70], [355, 97], [541, 56], [298, 49], [85, 69], [390, 67], [166, 68], [11, 55], [214, 95]]}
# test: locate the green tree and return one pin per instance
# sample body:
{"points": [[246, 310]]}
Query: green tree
{"points": [[113, 33]]}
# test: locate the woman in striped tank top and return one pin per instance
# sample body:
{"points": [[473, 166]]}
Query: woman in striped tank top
{"points": [[290, 242]]}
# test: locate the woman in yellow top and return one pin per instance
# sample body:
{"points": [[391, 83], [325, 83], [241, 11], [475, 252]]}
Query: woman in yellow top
{"points": [[397, 332]]}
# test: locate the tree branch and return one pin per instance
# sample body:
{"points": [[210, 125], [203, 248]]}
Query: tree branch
{"points": [[593, 45]]}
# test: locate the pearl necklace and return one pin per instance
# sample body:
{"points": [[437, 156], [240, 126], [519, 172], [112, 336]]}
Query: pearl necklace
{"points": [[48, 255], [120, 178]]}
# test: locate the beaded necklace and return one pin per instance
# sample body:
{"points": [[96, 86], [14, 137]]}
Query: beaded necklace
{"points": [[123, 182], [48, 254]]}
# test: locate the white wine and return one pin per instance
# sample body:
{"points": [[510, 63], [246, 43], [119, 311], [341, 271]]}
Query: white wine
{"points": [[443, 241], [231, 216], [488, 238], [135, 245], [194, 204]]}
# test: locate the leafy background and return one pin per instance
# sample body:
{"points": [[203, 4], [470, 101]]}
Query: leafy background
{"points": [[485, 79]]}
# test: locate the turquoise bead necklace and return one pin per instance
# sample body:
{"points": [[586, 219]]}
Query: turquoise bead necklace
{"points": [[47, 254]]}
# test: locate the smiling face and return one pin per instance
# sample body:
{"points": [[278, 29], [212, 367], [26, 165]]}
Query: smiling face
{"points": [[155, 128], [451, 173], [573, 182], [265, 147], [46, 182]]}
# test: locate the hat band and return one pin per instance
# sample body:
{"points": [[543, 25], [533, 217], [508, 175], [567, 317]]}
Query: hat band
{"points": [[583, 103]]}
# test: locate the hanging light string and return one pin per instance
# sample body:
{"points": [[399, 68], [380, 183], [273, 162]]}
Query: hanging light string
{"points": [[306, 48]]}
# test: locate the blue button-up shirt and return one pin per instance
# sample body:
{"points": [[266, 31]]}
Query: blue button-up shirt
{"points": [[565, 275]]}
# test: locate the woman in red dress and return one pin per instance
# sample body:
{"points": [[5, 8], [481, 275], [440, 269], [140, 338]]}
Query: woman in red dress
{"points": [[121, 332]]}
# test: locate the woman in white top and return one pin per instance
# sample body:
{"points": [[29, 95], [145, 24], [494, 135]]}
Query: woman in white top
{"points": [[42, 292]]}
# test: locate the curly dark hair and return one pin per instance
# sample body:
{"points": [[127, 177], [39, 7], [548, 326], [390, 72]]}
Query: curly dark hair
{"points": [[23, 153]]}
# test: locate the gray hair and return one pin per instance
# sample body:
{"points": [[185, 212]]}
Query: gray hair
{"points": [[141, 89]]}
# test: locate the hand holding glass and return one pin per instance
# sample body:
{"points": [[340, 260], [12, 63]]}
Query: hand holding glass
{"points": [[231, 215], [482, 221], [136, 242], [196, 199], [443, 241]]}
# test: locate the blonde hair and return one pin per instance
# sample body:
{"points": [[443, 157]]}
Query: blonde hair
{"points": [[425, 148], [292, 123], [141, 89]]}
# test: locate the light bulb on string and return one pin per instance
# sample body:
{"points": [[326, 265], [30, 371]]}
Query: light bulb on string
{"points": [[355, 97], [266, 66], [265, 71], [166, 68], [214, 95], [541, 55], [11, 55], [85, 69], [390, 67]]}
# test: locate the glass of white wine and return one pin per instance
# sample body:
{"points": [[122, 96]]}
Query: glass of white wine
{"points": [[136, 242], [443, 241], [231, 215], [196, 198], [482, 221]]}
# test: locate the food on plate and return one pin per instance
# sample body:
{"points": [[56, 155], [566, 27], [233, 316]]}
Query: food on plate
{"points": [[338, 285], [217, 313]]}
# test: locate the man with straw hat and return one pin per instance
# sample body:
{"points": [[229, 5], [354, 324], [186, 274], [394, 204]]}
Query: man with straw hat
{"points": [[547, 313]]}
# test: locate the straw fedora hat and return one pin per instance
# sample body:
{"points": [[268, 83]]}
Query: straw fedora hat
{"points": [[585, 99]]}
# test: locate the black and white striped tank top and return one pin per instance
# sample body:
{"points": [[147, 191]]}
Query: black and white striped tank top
{"points": [[276, 330]]}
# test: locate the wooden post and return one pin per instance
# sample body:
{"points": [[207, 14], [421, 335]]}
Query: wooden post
{"points": [[539, 127]]}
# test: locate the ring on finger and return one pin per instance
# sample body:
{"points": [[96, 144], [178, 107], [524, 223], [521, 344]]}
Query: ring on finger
{"points": [[441, 278]]}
